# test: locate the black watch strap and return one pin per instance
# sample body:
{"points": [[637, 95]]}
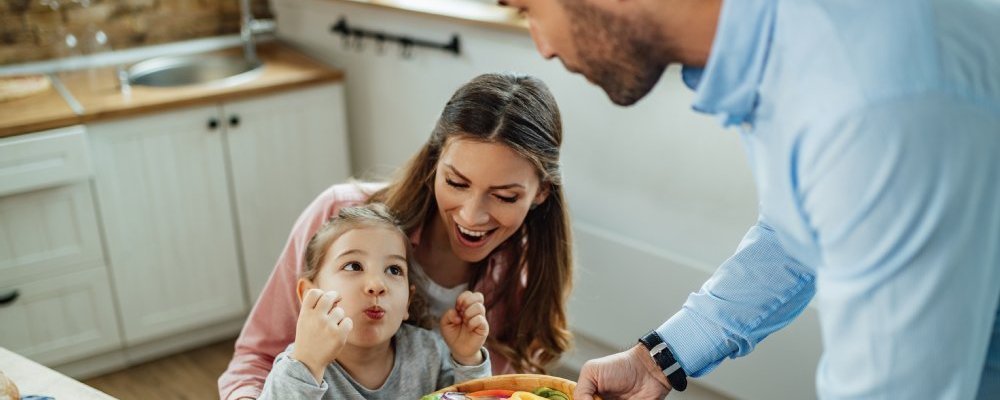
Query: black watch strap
{"points": [[665, 360]]}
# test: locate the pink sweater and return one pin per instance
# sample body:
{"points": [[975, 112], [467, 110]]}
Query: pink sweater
{"points": [[271, 324]]}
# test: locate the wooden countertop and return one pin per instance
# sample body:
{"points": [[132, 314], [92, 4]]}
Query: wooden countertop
{"points": [[33, 378], [36, 112], [98, 93]]}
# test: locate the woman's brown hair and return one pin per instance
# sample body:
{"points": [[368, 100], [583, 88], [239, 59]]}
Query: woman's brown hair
{"points": [[373, 215], [519, 112]]}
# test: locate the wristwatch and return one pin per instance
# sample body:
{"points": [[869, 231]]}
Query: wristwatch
{"points": [[665, 360]]}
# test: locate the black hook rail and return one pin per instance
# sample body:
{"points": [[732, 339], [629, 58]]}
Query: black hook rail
{"points": [[347, 31]]}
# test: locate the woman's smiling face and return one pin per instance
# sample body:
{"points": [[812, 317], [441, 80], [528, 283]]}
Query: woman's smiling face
{"points": [[484, 191]]}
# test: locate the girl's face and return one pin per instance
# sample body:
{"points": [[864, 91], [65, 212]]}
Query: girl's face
{"points": [[483, 191], [367, 266]]}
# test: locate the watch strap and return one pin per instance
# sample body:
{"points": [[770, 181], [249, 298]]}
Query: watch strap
{"points": [[664, 358]]}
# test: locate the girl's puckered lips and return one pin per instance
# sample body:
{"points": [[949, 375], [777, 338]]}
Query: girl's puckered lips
{"points": [[374, 312]]}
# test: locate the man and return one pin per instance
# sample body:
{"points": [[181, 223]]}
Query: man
{"points": [[873, 131]]}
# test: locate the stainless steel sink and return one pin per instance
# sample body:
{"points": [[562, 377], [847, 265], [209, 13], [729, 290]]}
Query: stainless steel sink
{"points": [[198, 69]]}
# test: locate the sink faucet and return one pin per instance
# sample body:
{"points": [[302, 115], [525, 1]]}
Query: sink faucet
{"points": [[249, 26]]}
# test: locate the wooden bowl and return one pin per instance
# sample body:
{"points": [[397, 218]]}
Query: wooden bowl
{"points": [[525, 382]]}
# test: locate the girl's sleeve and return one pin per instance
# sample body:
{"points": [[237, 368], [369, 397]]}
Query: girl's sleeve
{"points": [[290, 379]]}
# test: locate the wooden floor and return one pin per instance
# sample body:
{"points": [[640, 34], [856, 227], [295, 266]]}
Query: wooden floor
{"points": [[189, 375]]}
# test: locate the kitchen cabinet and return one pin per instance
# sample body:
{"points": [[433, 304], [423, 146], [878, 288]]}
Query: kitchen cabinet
{"points": [[284, 150], [55, 302], [186, 196], [162, 193]]}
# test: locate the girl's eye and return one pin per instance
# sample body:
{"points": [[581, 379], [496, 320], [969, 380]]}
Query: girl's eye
{"points": [[456, 184], [394, 270], [352, 266], [506, 199]]}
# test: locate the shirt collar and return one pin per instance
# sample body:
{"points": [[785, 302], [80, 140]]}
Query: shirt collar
{"points": [[727, 85]]}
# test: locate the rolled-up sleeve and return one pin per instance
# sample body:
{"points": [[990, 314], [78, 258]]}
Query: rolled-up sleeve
{"points": [[757, 291]]}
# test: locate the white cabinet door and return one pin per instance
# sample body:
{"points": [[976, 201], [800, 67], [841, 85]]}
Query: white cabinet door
{"points": [[48, 231], [164, 199], [284, 150], [60, 319]]}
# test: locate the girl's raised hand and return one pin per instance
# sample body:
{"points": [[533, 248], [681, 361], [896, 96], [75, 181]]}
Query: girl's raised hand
{"points": [[465, 329], [321, 331]]}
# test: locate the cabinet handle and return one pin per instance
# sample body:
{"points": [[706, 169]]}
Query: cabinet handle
{"points": [[9, 297], [213, 123], [234, 120]]}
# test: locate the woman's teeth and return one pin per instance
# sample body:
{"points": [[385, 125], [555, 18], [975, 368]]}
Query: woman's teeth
{"points": [[471, 232]]}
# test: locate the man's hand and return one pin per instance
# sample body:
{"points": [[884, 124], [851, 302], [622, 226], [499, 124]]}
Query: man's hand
{"points": [[321, 331], [464, 328], [631, 374]]}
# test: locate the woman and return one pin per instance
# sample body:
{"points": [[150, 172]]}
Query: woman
{"points": [[483, 204]]}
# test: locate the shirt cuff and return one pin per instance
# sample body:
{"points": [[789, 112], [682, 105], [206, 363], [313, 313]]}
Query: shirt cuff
{"points": [[468, 372], [697, 346], [244, 391], [482, 351]]}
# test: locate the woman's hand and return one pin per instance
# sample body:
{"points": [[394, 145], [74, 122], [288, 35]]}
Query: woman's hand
{"points": [[631, 374], [321, 331], [464, 328]]}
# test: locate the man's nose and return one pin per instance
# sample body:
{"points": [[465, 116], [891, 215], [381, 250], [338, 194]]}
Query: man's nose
{"points": [[541, 44]]}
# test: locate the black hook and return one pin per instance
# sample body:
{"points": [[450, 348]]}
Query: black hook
{"points": [[9, 297], [347, 33]]}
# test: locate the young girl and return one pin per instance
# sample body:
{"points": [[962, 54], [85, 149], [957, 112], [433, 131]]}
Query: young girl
{"points": [[482, 203], [350, 339]]}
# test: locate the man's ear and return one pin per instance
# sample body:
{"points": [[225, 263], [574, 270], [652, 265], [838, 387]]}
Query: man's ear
{"points": [[302, 286]]}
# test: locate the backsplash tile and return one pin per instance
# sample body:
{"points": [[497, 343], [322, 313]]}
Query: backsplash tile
{"points": [[35, 30]]}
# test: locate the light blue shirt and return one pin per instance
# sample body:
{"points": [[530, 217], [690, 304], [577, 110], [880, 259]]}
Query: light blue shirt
{"points": [[873, 132]]}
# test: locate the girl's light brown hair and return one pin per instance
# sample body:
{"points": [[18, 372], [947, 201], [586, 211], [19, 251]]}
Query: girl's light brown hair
{"points": [[369, 216], [517, 111]]}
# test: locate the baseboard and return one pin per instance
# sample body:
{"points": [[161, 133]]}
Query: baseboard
{"points": [[123, 358], [188, 340]]}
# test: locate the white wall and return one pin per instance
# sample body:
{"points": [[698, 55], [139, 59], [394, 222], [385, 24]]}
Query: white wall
{"points": [[659, 195]]}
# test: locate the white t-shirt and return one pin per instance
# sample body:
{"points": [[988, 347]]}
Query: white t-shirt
{"points": [[440, 298]]}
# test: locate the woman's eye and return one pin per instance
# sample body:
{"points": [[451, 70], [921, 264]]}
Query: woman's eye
{"points": [[456, 184], [352, 266], [395, 270], [506, 199]]}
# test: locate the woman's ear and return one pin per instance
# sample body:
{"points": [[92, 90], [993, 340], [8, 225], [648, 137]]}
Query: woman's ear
{"points": [[413, 289], [302, 286], [543, 193]]}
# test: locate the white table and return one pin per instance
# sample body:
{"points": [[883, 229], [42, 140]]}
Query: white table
{"points": [[34, 378]]}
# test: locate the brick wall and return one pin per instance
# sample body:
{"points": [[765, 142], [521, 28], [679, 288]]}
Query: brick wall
{"points": [[34, 30]]}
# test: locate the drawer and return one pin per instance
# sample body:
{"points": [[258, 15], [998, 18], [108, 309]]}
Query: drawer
{"points": [[44, 159], [47, 232], [60, 319]]}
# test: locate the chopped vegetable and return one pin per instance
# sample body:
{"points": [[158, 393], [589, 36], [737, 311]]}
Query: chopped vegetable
{"points": [[526, 396], [550, 393]]}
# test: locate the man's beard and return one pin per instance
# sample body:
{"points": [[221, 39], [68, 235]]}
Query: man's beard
{"points": [[617, 54]]}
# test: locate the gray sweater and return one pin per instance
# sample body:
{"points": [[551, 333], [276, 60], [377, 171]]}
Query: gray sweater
{"points": [[422, 364]]}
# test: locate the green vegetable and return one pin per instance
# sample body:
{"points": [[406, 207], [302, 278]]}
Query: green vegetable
{"points": [[550, 394], [431, 397]]}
